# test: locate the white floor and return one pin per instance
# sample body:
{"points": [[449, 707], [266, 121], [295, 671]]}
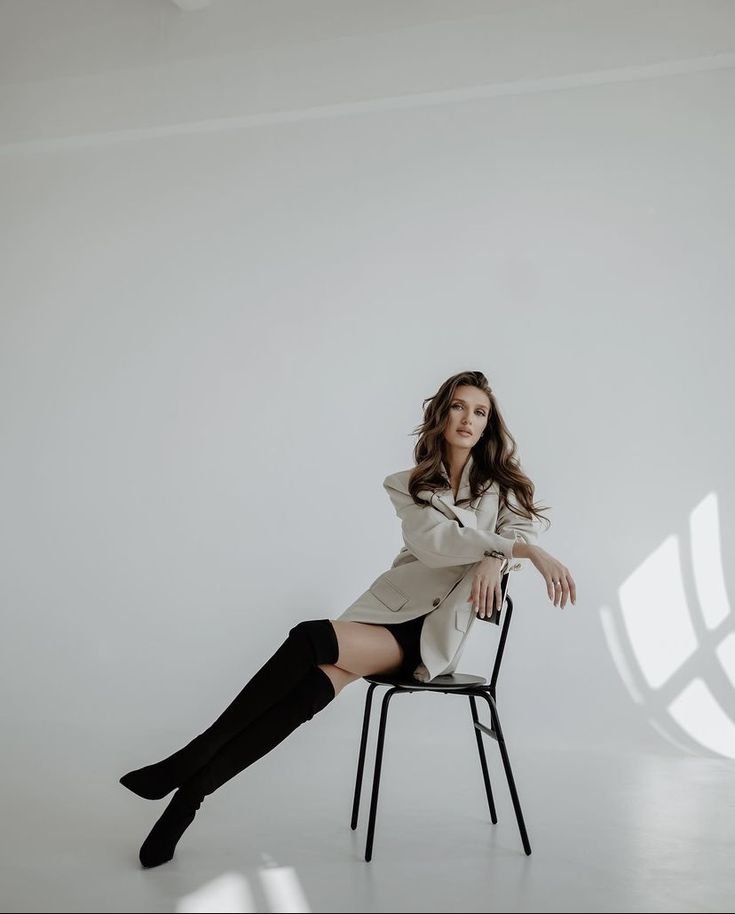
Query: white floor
{"points": [[610, 831]]}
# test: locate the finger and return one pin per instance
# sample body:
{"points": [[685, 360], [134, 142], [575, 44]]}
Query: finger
{"points": [[564, 592], [562, 589], [483, 600], [550, 588], [573, 589], [476, 597]]}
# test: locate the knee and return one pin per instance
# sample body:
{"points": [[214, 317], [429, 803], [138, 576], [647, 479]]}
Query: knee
{"points": [[308, 627], [340, 678], [319, 636]]}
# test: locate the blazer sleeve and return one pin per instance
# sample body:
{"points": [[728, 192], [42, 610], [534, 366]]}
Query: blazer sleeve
{"points": [[512, 524], [439, 541]]}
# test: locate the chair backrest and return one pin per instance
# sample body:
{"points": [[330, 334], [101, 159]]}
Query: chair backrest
{"points": [[504, 612]]}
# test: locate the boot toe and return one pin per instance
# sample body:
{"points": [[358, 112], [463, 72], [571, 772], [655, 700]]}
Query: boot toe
{"points": [[141, 784], [149, 856]]}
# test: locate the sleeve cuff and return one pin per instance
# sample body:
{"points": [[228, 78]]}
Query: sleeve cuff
{"points": [[506, 552]]}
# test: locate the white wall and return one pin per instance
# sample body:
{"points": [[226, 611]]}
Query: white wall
{"points": [[242, 244]]}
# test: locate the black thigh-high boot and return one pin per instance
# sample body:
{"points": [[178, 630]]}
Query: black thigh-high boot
{"points": [[309, 643], [310, 696]]}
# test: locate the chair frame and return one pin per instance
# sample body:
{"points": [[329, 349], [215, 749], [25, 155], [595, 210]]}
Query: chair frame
{"points": [[473, 687]]}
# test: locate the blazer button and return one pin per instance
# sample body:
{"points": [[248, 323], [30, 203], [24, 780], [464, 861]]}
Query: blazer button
{"points": [[437, 601]]}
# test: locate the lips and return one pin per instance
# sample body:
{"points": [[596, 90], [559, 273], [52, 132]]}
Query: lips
{"points": [[469, 434]]}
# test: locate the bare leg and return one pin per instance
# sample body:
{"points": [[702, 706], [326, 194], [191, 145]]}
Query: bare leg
{"points": [[366, 649]]}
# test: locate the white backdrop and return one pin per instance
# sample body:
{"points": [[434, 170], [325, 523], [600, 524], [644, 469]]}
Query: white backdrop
{"points": [[229, 282]]}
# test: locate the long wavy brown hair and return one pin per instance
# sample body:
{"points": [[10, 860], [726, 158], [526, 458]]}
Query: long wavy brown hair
{"points": [[493, 457]]}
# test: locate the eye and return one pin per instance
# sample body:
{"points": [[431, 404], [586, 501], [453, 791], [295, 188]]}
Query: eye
{"points": [[480, 411]]}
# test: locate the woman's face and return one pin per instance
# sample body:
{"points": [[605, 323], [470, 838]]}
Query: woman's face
{"points": [[469, 411]]}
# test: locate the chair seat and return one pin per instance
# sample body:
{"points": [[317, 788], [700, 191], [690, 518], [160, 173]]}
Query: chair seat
{"points": [[450, 681]]}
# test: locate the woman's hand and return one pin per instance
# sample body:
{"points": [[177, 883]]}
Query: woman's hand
{"points": [[486, 592], [559, 582]]}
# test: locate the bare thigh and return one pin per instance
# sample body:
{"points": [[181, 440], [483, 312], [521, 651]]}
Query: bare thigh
{"points": [[366, 649]]}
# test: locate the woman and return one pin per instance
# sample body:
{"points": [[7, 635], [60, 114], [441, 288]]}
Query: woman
{"points": [[412, 621]]}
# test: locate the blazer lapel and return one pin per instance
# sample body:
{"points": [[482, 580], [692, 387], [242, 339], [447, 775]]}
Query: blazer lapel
{"points": [[465, 516]]}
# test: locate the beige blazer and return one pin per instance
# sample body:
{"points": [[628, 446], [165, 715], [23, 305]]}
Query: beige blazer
{"points": [[432, 574]]}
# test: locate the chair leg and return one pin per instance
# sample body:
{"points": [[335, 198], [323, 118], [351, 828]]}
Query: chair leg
{"points": [[483, 761], [376, 774], [508, 773], [361, 760]]}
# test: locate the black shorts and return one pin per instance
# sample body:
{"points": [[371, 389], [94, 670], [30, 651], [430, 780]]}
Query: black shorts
{"points": [[408, 635]]}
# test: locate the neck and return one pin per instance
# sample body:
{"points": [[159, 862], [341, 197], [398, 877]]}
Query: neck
{"points": [[455, 462]]}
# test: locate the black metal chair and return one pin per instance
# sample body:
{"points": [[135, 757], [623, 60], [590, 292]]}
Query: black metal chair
{"points": [[453, 684]]}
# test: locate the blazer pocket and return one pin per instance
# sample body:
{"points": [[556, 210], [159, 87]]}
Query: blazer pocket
{"points": [[389, 595], [462, 618]]}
